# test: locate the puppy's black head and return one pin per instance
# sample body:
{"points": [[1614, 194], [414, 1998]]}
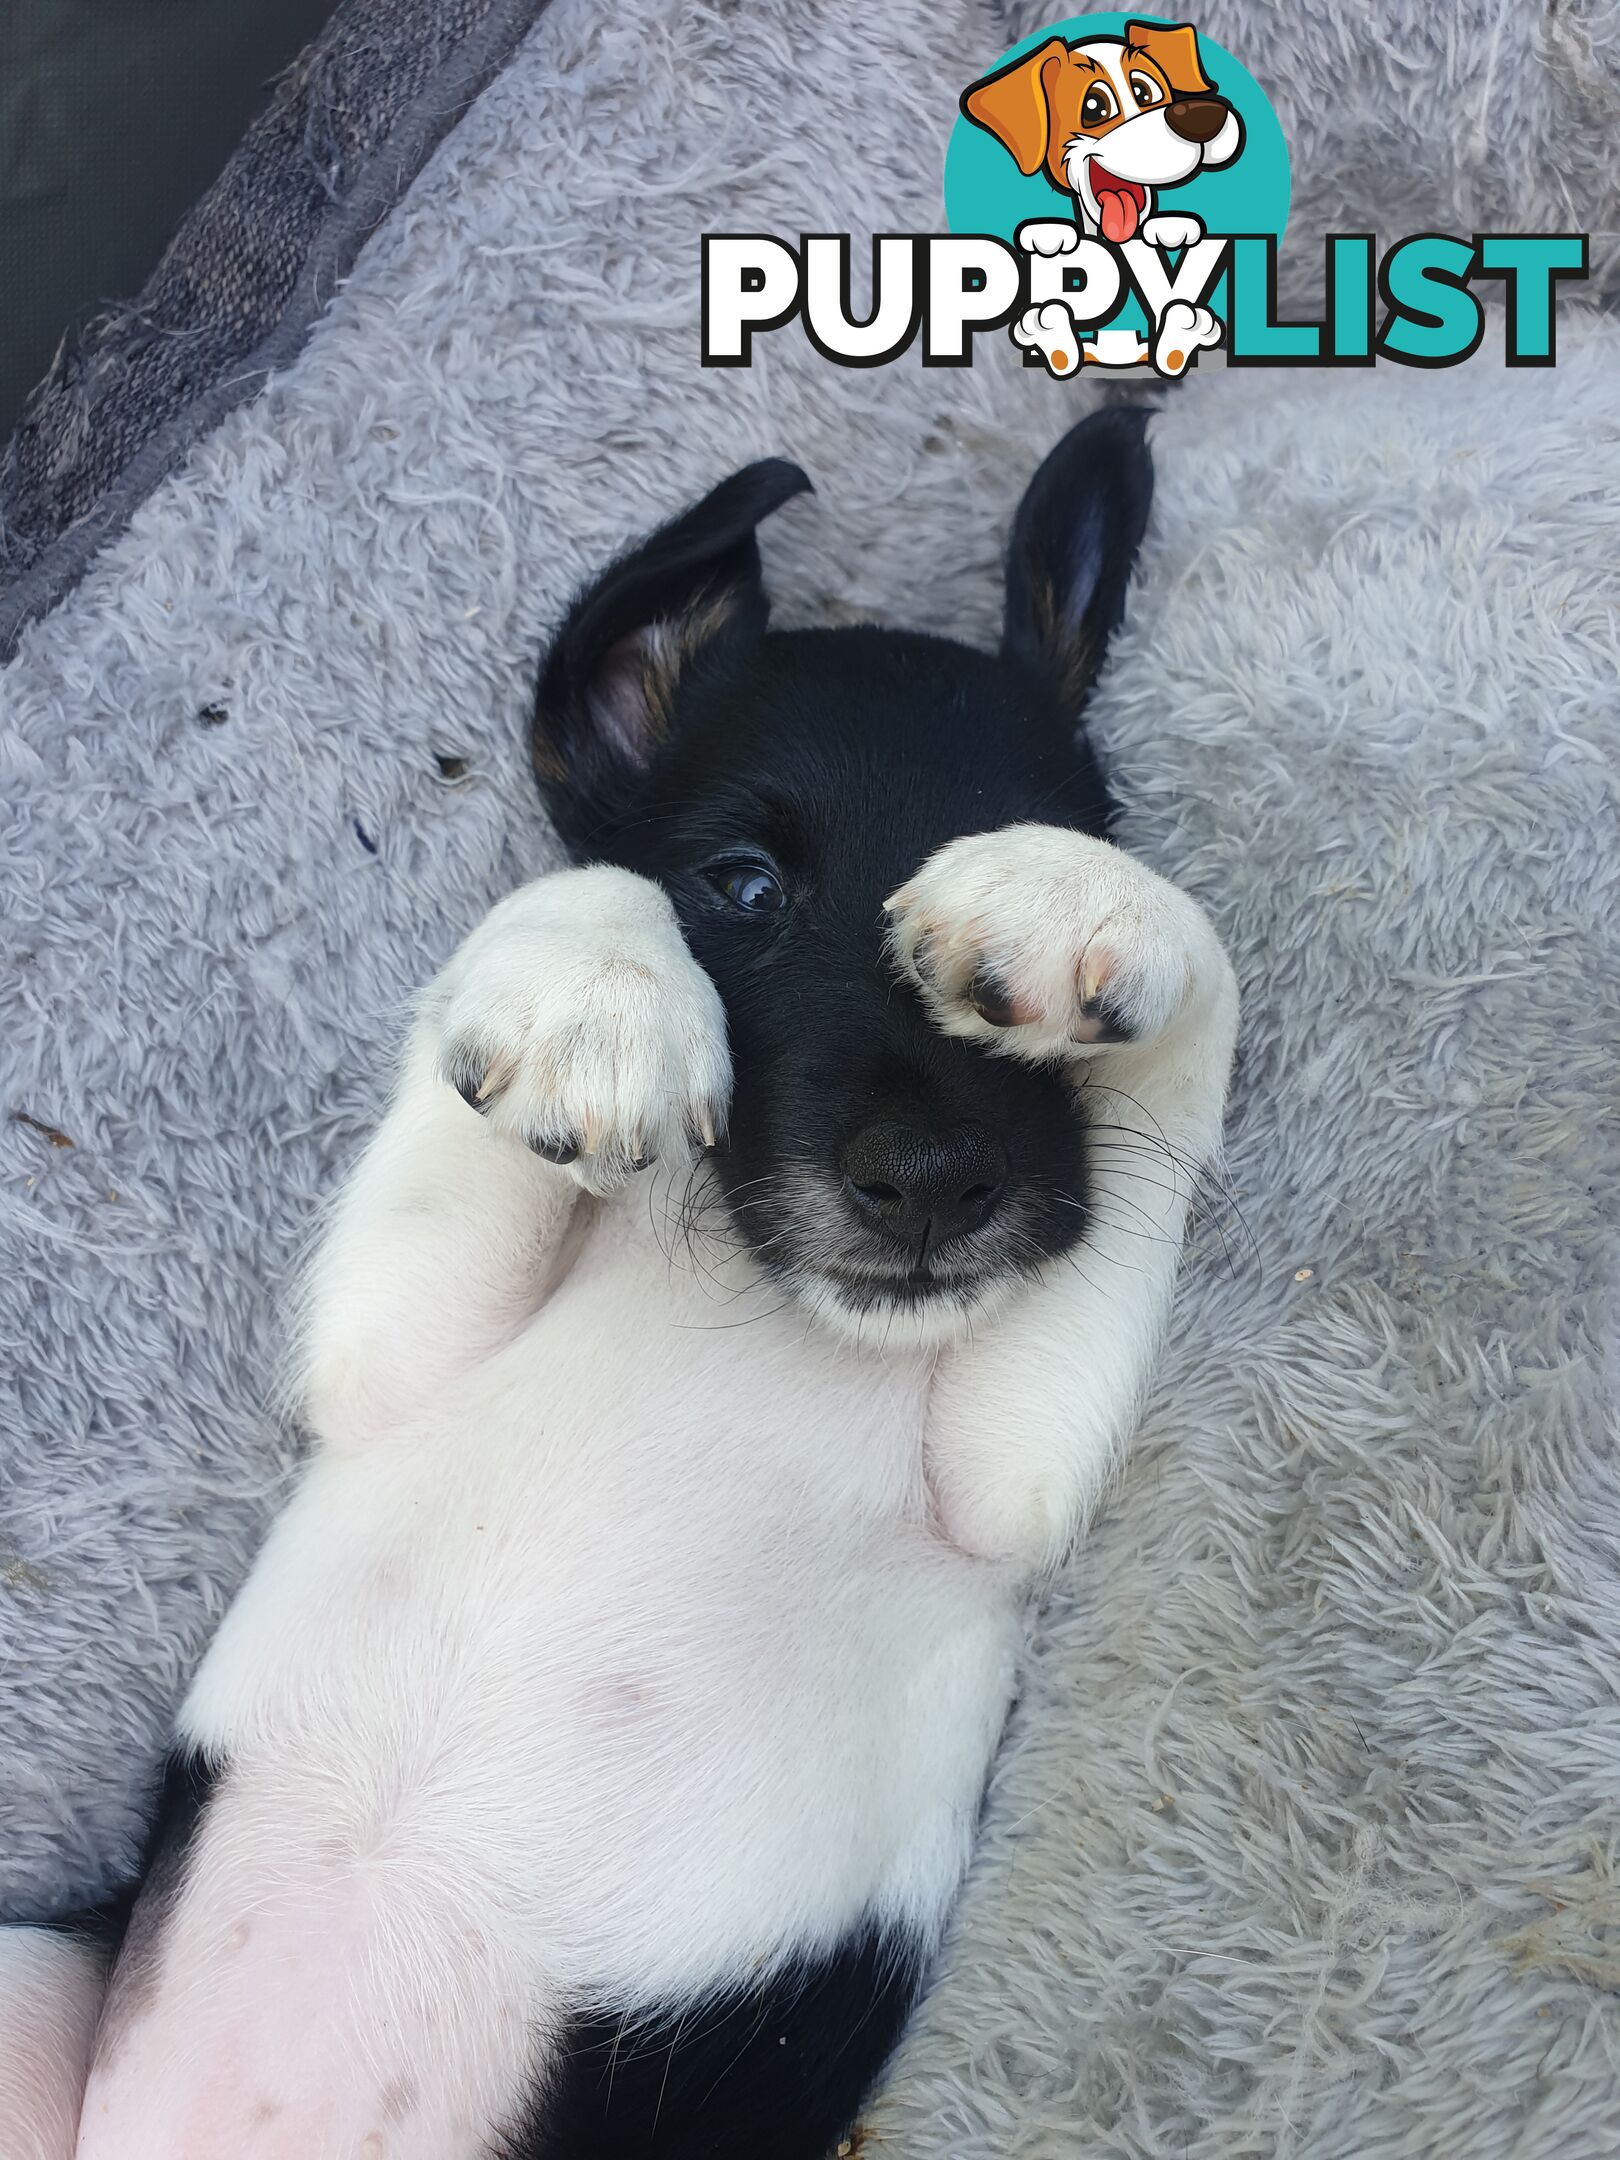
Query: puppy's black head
{"points": [[779, 786]]}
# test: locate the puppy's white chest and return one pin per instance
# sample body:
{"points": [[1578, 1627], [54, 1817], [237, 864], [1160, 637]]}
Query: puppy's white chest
{"points": [[665, 1381], [645, 1598]]}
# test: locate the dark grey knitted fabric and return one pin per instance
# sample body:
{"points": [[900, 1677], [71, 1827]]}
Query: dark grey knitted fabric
{"points": [[248, 272]]}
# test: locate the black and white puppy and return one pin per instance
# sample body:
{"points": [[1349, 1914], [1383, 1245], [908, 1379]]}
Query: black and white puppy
{"points": [[591, 1760]]}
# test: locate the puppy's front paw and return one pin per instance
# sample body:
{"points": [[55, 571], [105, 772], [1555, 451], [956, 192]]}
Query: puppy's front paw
{"points": [[576, 1020], [1045, 943], [992, 1512]]}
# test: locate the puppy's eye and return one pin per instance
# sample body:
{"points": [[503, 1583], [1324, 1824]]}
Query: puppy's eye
{"points": [[750, 886], [1098, 107], [1146, 91]]}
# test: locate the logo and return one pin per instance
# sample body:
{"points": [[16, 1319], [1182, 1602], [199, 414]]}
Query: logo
{"points": [[1116, 192]]}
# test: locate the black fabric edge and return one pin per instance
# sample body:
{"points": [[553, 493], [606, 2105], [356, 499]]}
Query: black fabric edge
{"points": [[383, 179]]}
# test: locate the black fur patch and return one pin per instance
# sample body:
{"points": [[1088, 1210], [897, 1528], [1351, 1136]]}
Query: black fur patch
{"points": [[128, 1925], [775, 2072]]}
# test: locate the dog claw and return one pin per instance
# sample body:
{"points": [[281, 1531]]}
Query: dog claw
{"points": [[476, 1083], [560, 1152], [705, 1128], [923, 958], [991, 1001]]}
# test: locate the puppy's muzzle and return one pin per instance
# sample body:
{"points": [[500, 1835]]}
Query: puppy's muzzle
{"points": [[1197, 120], [923, 1189]]}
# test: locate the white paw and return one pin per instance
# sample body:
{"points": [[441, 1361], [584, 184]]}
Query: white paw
{"points": [[1047, 236], [1183, 330], [987, 1509], [575, 1019], [1043, 943], [1169, 230], [1051, 329]]}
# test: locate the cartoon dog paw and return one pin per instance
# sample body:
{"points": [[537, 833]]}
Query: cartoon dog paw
{"points": [[1172, 231], [1051, 330], [1048, 236], [1183, 330]]}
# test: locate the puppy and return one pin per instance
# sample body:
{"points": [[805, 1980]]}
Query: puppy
{"points": [[1110, 120], [746, 1296]]}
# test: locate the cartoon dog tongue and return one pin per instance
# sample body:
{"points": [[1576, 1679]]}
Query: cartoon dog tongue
{"points": [[1120, 203], [1117, 211]]}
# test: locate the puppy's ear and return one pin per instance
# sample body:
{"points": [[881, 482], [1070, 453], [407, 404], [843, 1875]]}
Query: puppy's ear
{"points": [[1013, 105], [690, 598], [1173, 49], [1074, 541]]}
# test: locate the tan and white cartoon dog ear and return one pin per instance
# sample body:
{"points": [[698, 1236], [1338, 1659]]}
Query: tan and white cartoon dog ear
{"points": [[1173, 49], [1012, 105]]}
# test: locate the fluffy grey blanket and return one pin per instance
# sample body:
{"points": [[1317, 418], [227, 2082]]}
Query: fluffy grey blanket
{"points": [[1305, 1834]]}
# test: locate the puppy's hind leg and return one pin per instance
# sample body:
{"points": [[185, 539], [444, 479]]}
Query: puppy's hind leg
{"points": [[570, 1040], [50, 1996], [313, 1968]]}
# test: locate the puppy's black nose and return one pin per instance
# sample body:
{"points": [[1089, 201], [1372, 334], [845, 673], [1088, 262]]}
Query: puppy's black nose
{"points": [[1196, 119], [923, 1187]]}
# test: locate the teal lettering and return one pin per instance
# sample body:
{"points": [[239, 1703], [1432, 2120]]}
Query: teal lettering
{"points": [[1433, 318]]}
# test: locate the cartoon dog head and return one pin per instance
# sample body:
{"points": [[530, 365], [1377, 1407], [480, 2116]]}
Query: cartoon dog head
{"points": [[1110, 119]]}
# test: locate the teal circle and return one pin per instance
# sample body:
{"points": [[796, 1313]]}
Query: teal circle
{"points": [[986, 193]]}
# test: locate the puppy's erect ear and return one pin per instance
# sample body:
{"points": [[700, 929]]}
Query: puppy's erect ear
{"points": [[1173, 49], [1074, 541], [1013, 105], [687, 599]]}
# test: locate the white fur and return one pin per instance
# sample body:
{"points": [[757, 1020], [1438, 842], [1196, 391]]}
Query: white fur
{"points": [[612, 1649], [50, 1992], [1058, 917], [581, 1006]]}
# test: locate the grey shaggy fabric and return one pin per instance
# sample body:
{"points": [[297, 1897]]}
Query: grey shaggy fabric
{"points": [[243, 280], [1305, 1835], [1401, 115]]}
